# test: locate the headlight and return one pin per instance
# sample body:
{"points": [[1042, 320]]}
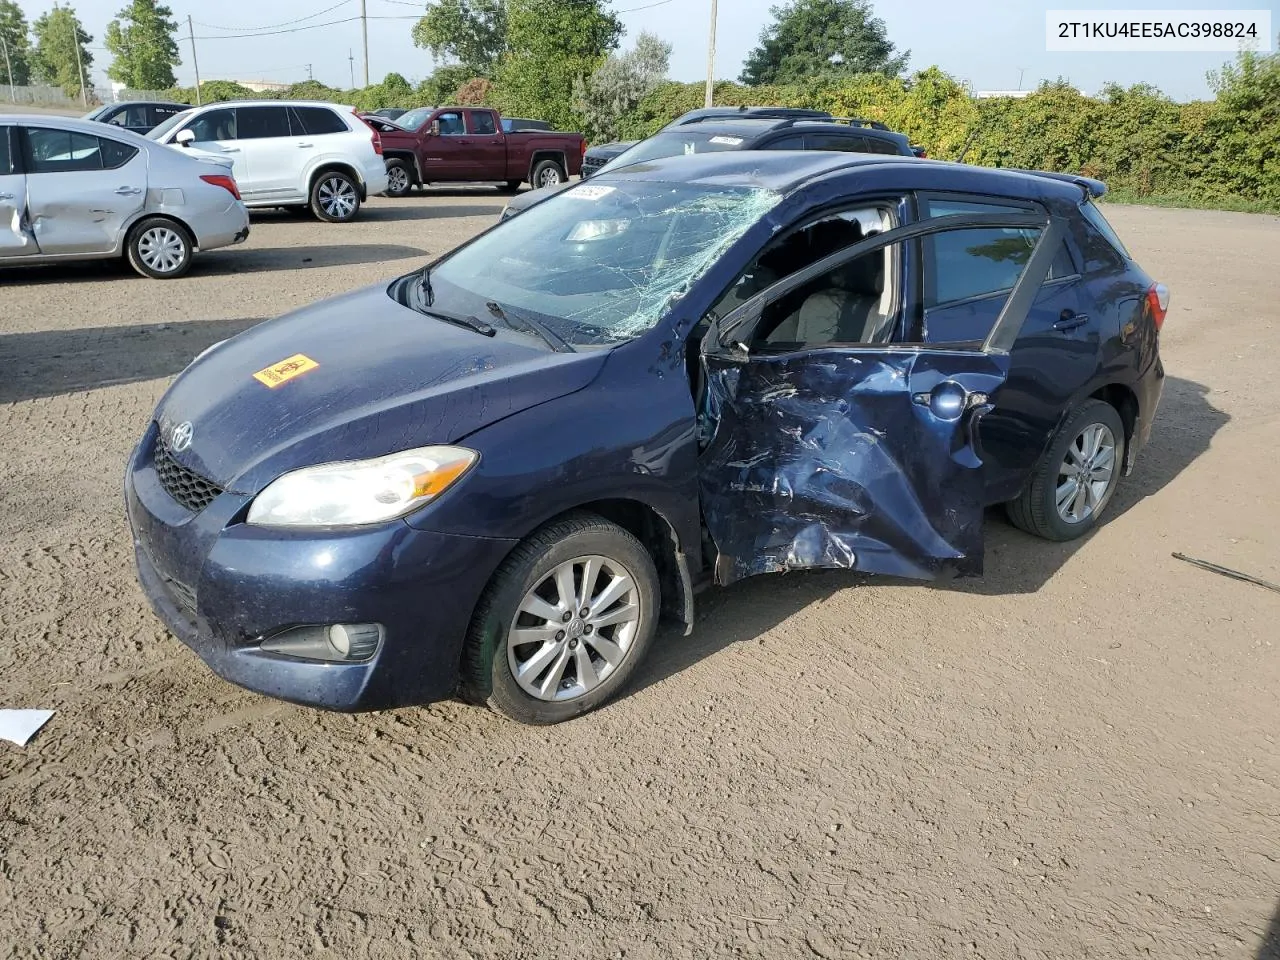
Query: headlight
{"points": [[361, 491]]}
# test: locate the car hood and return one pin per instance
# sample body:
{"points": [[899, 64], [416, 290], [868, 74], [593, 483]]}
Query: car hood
{"points": [[531, 198], [611, 150], [385, 378]]}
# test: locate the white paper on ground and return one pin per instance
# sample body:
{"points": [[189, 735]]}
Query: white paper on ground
{"points": [[19, 726]]}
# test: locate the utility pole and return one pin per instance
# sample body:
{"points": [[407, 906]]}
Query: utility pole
{"points": [[1021, 71], [191, 33], [75, 40], [711, 58], [310, 76], [8, 69], [364, 33], [351, 63]]}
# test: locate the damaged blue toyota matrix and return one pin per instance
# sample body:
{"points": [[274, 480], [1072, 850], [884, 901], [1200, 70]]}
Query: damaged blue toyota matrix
{"points": [[493, 476]]}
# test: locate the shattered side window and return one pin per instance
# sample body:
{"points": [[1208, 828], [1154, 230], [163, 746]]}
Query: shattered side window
{"points": [[602, 262]]}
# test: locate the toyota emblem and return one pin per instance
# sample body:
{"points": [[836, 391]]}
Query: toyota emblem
{"points": [[180, 439]]}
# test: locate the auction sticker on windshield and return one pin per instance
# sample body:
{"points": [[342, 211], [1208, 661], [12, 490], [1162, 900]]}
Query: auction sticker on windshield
{"points": [[284, 371], [592, 191], [727, 141]]}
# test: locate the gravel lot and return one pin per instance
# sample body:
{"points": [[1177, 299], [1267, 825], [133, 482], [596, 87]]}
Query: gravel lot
{"points": [[1075, 757]]}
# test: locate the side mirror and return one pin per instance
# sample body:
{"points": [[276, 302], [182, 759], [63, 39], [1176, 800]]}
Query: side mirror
{"points": [[185, 137], [435, 128]]}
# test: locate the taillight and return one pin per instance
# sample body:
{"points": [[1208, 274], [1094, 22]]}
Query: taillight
{"points": [[373, 133], [377, 143], [223, 181], [584, 146], [1158, 301]]}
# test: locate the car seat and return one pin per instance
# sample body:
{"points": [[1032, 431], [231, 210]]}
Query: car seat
{"points": [[848, 309]]}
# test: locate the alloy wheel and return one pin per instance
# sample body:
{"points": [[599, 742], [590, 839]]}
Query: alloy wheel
{"points": [[162, 249], [1086, 472], [337, 197], [574, 628], [550, 177], [399, 179]]}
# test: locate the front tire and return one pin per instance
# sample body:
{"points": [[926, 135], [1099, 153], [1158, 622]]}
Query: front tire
{"points": [[399, 179], [1074, 481], [160, 249], [547, 173], [335, 197], [568, 617]]}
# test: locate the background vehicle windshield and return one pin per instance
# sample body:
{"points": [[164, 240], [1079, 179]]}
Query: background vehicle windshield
{"points": [[414, 118], [674, 144], [173, 123], [600, 262]]}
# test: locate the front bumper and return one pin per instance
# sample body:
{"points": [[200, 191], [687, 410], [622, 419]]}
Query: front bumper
{"points": [[221, 586]]}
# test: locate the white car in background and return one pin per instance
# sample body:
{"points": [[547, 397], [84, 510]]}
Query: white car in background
{"points": [[79, 190], [287, 153]]}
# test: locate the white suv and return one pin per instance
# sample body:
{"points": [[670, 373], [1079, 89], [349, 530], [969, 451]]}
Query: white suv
{"points": [[287, 153]]}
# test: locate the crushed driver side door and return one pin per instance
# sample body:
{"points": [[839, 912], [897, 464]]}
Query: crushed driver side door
{"points": [[858, 457]]}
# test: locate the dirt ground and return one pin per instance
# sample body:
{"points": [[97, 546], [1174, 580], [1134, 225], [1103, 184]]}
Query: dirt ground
{"points": [[1074, 757]]}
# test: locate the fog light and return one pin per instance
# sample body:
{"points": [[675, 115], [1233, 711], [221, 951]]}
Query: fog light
{"points": [[339, 642], [355, 641]]}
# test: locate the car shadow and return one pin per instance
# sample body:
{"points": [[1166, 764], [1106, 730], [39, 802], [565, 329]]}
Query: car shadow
{"points": [[1270, 948], [49, 363], [419, 207], [268, 259], [1015, 562]]}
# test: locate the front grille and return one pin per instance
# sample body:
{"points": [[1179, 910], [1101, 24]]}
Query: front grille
{"points": [[591, 164], [187, 487]]}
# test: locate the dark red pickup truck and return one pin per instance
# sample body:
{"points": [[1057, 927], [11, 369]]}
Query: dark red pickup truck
{"points": [[466, 144]]}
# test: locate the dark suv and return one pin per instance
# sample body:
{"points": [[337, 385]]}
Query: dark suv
{"points": [[716, 134], [493, 475], [596, 157], [140, 116]]}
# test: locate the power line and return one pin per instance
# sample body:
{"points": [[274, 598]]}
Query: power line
{"points": [[272, 26], [310, 26], [647, 6]]}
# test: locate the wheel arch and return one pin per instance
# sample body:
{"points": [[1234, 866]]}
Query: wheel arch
{"points": [[540, 155], [1125, 401], [127, 233], [409, 157], [339, 166]]}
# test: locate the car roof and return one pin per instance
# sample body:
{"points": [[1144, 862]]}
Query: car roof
{"points": [[75, 124], [275, 103], [785, 171], [744, 127], [151, 103]]}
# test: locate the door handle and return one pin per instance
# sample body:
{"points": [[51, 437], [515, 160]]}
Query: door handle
{"points": [[949, 401], [6, 196], [128, 191], [1069, 320], [305, 146], [230, 149], [467, 142]]}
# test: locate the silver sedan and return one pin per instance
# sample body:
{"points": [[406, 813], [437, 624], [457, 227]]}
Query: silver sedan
{"points": [[73, 190]]}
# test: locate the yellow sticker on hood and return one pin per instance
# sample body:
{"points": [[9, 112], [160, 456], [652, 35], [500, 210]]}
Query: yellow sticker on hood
{"points": [[285, 370]]}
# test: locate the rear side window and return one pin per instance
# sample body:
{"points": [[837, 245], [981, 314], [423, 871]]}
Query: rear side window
{"points": [[131, 116], [160, 113], [787, 143], [262, 123], [482, 123], [834, 141], [1063, 265], [876, 145], [316, 121], [1102, 247], [6, 152], [115, 154], [968, 276]]}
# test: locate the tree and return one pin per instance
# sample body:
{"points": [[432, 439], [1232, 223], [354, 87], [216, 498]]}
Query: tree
{"points": [[550, 44], [822, 38], [619, 84], [471, 32], [13, 32], [141, 41], [59, 36], [439, 88]]}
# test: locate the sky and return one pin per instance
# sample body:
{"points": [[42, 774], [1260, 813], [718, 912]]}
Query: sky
{"points": [[993, 45]]}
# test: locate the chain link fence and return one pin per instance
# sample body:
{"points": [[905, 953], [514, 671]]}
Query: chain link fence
{"points": [[42, 96]]}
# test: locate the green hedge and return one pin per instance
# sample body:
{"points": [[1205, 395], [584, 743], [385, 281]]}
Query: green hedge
{"points": [[1220, 152]]}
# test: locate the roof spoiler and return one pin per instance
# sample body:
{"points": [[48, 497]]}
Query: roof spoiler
{"points": [[1092, 188]]}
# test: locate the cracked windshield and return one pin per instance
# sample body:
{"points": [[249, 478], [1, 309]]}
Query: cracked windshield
{"points": [[601, 262]]}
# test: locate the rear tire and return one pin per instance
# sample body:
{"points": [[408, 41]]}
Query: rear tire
{"points": [[1053, 505], [400, 179], [547, 173], [553, 663], [335, 197], [160, 249]]}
